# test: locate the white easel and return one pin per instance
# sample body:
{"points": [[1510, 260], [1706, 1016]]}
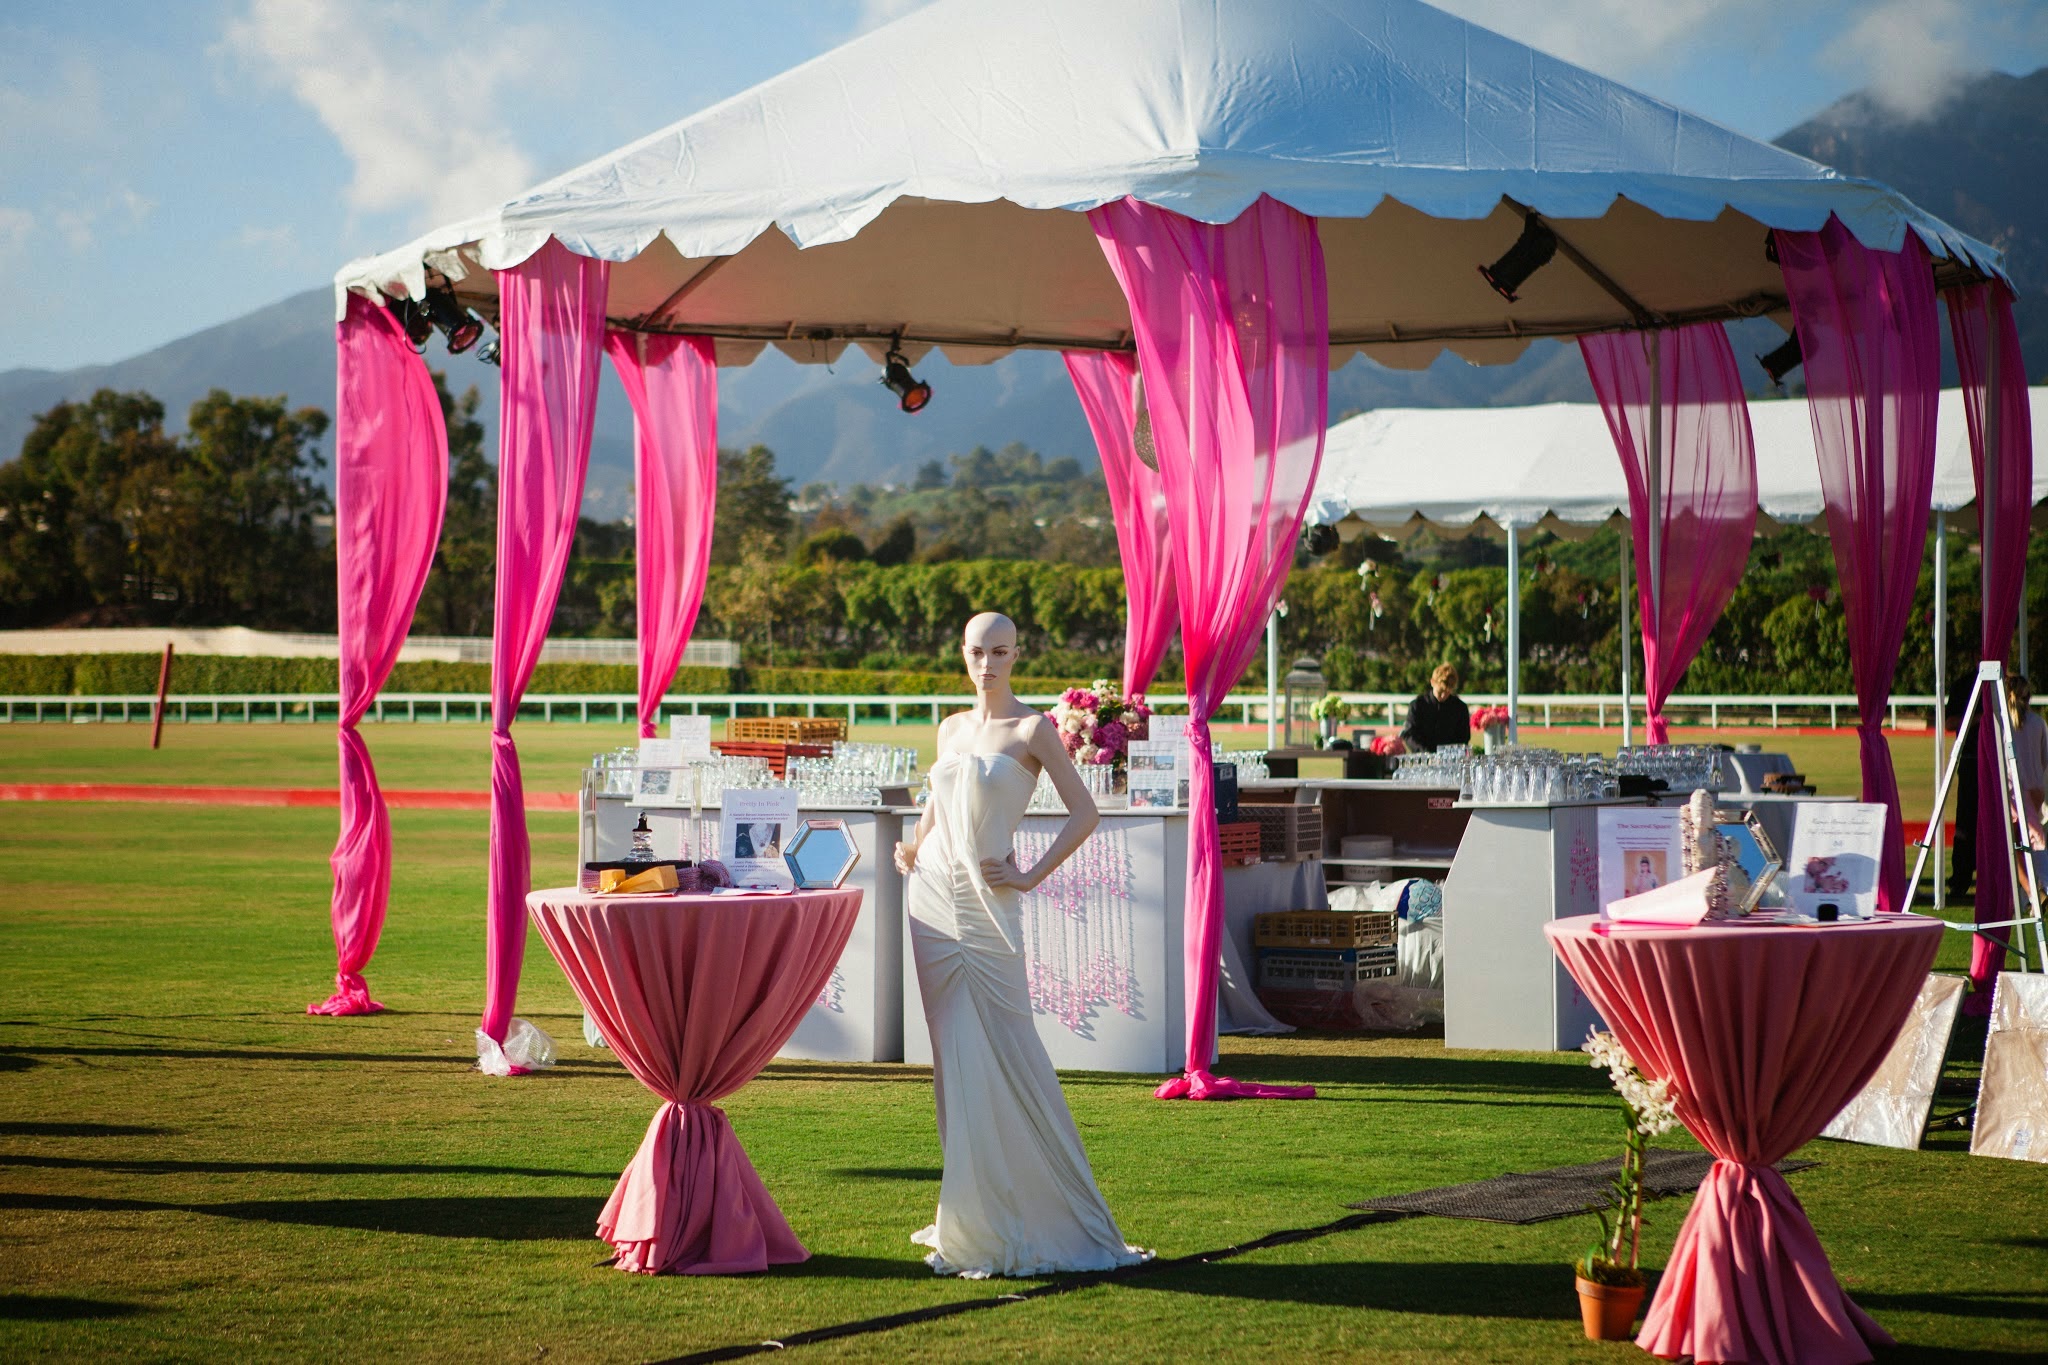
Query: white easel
{"points": [[1991, 677]]}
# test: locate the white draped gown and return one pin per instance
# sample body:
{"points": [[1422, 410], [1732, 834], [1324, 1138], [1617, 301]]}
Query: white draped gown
{"points": [[1017, 1197]]}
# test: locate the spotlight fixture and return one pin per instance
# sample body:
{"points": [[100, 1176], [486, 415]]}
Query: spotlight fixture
{"points": [[462, 328], [1320, 539], [1771, 247], [1782, 361], [911, 392], [1531, 251], [419, 328], [488, 353]]}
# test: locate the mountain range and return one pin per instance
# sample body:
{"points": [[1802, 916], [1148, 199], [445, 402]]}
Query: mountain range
{"points": [[1975, 162]]}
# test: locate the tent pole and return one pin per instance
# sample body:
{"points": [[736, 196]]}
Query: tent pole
{"points": [[1653, 620], [1272, 679], [1514, 635], [1628, 628], [1940, 685]]}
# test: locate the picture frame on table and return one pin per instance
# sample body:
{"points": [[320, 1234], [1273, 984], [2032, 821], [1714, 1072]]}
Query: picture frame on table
{"points": [[1758, 856]]}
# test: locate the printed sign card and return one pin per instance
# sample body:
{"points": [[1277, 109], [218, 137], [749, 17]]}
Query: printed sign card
{"points": [[1836, 850], [1640, 851], [1676, 905], [660, 782], [1153, 776], [693, 734], [754, 828]]}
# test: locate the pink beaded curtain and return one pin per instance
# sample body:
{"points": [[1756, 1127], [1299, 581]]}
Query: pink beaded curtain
{"points": [[1978, 316], [672, 384], [1872, 351], [1106, 383], [1232, 329], [1705, 509], [553, 336], [390, 486]]}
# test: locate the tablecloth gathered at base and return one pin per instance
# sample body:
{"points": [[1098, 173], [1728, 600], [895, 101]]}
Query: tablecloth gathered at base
{"points": [[1764, 1032], [695, 994]]}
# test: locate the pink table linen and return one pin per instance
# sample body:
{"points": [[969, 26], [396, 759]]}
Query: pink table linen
{"points": [[1765, 1032], [695, 994]]}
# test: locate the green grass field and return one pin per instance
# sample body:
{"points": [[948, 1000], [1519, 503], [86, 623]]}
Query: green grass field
{"points": [[192, 1168]]}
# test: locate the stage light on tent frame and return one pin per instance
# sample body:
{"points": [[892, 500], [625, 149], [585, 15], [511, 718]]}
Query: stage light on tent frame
{"points": [[1530, 253]]}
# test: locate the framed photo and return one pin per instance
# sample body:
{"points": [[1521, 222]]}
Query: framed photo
{"points": [[1761, 863]]}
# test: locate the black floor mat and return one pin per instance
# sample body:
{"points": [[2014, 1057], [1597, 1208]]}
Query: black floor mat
{"points": [[1543, 1195]]}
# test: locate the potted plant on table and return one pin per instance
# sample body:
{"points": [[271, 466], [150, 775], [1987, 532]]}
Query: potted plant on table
{"points": [[1332, 711], [1098, 722], [1492, 723], [1610, 1279]]}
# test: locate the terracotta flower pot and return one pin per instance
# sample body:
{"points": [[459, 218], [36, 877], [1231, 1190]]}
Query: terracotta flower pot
{"points": [[1609, 1310]]}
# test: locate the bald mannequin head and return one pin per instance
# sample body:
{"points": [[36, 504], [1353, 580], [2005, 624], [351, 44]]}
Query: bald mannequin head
{"points": [[988, 646]]}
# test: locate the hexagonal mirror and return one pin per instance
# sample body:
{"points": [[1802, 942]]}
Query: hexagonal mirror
{"points": [[821, 854]]}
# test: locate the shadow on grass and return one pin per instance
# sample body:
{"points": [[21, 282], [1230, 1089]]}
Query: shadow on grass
{"points": [[18, 1056], [81, 1130], [919, 1173], [1440, 1289], [167, 1167], [910, 1267], [497, 1218], [60, 1308], [2017, 1305]]}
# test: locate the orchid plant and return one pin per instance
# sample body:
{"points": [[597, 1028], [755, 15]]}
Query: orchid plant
{"points": [[1650, 1108]]}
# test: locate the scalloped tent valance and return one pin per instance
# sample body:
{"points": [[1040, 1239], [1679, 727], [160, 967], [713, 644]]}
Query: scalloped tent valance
{"points": [[927, 181]]}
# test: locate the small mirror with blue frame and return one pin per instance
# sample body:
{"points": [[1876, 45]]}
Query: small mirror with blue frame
{"points": [[1759, 860]]}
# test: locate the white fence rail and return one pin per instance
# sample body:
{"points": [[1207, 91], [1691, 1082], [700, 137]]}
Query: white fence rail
{"points": [[1371, 709]]}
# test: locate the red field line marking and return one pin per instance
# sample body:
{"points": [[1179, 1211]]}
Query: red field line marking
{"points": [[262, 796]]}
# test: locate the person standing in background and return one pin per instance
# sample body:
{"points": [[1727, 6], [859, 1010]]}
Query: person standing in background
{"points": [[1439, 717]]}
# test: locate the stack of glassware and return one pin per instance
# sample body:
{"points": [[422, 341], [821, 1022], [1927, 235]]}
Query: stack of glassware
{"points": [[853, 775], [1444, 768], [1251, 765], [1100, 779], [1515, 774], [1683, 767], [620, 776]]}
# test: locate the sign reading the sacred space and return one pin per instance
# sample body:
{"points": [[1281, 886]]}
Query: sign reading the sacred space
{"points": [[1640, 851]]}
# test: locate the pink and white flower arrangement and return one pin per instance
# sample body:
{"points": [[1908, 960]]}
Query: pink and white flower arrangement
{"points": [[1098, 722], [1486, 717]]}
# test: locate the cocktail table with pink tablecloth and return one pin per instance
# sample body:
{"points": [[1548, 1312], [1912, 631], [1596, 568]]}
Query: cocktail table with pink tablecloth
{"points": [[695, 994], [1765, 1032]]}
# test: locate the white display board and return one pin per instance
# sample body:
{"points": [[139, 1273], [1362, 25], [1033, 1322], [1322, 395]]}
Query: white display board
{"points": [[1837, 849], [1640, 850], [754, 827]]}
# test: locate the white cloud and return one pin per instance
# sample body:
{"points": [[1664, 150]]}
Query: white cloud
{"points": [[278, 241], [1911, 54], [15, 227], [1611, 37], [413, 92]]}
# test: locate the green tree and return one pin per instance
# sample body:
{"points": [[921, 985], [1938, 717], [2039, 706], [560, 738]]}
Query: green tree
{"points": [[459, 594], [898, 545], [753, 504]]}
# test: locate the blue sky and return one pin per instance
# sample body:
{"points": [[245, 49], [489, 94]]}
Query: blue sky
{"points": [[165, 167]]}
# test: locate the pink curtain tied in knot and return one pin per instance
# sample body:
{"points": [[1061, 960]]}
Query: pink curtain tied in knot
{"points": [[1872, 351], [1978, 316], [553, 327], [672, 384], [1705, 512], [390, 486], [1231, 323], [1106, 383]]}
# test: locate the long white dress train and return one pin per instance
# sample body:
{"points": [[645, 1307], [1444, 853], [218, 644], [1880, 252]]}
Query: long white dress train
{"points": [[1017, 1197]]}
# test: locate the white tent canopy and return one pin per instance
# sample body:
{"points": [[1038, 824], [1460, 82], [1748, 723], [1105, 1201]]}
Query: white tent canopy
{"points": [[921, 182], [1395, 470]]}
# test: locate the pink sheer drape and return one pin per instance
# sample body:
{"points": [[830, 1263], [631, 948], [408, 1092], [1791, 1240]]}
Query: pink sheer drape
{"points": [[553, 333], [1978, 316], [1705, 512], [1872, 350], [672, 384], [390, 486], [1232, 331], [1106, 383]]}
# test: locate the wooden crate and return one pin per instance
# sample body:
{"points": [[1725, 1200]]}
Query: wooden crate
{"points": [[1324, 929], [785, 729], [1287, 834], [777, 754], [1240, 843]]}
